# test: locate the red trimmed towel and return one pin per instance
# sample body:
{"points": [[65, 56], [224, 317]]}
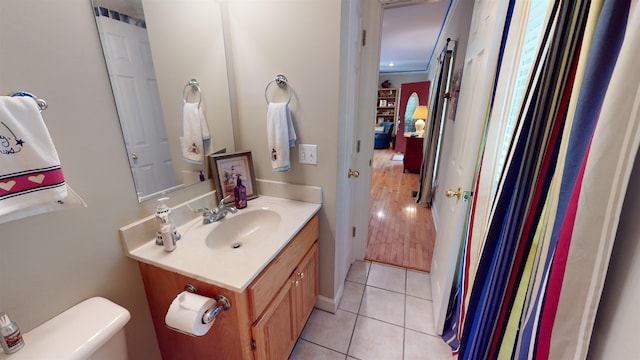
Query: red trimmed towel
{"points": [[31, 178]]}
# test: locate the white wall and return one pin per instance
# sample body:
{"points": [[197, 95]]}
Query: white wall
{"points": [[300, 39], [51, 262]]}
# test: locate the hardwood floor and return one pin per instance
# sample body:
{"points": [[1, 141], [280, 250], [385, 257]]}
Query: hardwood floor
{"points": [[401, 232]]}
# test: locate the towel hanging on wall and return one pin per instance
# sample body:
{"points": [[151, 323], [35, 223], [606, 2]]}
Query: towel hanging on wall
{"points": [[280, 135], [31, 178]]}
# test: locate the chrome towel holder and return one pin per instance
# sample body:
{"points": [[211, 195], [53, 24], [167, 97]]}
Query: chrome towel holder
{"points": [[195, 86], [282, 82], [42, 104]]}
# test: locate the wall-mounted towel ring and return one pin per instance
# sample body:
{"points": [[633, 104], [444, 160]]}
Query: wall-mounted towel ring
{"points": [[42, 104], [282, 82], [195, 86]]}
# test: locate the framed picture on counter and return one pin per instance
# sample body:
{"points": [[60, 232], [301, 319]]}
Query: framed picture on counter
{"points": [[226, 169]]}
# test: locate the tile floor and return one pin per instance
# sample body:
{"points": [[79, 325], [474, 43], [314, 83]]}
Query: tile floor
{"points": [[385, 313]]}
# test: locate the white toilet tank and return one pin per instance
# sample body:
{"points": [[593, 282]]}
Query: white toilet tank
{"points": [[93, 329]]}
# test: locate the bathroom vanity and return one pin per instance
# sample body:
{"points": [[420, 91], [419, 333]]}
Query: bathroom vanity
{"points": [[271, 280]]}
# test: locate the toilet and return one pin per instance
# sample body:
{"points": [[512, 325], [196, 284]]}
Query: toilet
{"points": [[93, 329]]}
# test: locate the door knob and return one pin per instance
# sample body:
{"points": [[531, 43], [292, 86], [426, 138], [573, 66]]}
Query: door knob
{"points": [[134, 156], [354, 173], [454, 193]]}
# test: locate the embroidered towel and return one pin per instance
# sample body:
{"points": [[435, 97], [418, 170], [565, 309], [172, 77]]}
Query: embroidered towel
{"points": [[195, 134], [30, 171], [280, 136]]}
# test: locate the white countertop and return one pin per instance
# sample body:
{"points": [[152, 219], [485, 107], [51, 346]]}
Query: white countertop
{"points": [[233, 270]]}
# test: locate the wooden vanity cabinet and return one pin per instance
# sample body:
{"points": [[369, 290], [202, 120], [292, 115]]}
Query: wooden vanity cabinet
{"points": [[276, 331], [264, 321]]}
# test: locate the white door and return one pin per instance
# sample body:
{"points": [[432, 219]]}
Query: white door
{"points": [[356, 136], [461, 144], [133, 79], [362, 154]]}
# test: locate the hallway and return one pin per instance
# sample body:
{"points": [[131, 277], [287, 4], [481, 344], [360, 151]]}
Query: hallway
{"points": [[385, 314], [401, 232]]}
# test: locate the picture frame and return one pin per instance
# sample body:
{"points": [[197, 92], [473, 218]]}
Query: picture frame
{"points": [[226, 167], [383, 103]]}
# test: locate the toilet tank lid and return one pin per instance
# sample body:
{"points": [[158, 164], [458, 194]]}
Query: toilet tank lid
{"points": [[74, 334]]}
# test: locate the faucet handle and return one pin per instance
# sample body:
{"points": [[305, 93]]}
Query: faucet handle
{"points": [[222, 205], [205, 211]]}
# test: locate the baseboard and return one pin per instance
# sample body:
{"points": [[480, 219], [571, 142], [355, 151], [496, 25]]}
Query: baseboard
{"points": [[434, 215], [330, 304]]}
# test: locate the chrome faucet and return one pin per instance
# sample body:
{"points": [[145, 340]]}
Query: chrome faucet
{"points": [[211, 216]]}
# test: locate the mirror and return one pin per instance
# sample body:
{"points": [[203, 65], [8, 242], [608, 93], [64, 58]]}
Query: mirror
{"points": [[153, 50]]}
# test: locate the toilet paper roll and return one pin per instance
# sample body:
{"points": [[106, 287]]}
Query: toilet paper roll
{"points": [[185, 313]]}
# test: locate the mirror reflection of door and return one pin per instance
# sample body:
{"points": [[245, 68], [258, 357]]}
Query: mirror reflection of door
{"points": [[132, 75]]}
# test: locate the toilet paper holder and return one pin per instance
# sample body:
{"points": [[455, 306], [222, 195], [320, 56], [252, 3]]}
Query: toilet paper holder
{"points": [[222, 303]]}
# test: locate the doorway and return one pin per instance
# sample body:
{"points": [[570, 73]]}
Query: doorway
{"points": [[401, 232]]}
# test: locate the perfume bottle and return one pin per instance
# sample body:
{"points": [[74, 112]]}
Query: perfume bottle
{"points": [[240, 194], [10, 336]]}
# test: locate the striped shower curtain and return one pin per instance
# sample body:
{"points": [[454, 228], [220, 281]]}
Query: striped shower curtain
{"points": [[537, 284]]}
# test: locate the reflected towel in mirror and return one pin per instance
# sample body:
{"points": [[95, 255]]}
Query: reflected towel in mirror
{"points": [[196, 140]]}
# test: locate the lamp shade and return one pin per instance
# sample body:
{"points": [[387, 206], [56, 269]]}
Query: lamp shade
{"points": [[421, 112]]}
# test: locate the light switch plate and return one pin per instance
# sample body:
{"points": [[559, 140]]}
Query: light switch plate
{"points": [[308, 154]]}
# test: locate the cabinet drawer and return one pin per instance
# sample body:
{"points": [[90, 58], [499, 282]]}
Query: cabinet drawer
{"points": [[414, 143], [269, 282]]}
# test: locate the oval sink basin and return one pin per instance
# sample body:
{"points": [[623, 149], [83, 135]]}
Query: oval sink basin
{"points": [[243, 229]]}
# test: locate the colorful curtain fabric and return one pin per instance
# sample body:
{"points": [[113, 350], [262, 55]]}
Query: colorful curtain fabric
{"points": [[538, 281]]}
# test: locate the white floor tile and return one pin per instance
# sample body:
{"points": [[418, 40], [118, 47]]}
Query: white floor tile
{"points": [[419, 315], [358, 271], [330, 330], [419, 284], [383, 305], [351, 297], [373, 339], [387, 277], [305, 350], [418, 346]]}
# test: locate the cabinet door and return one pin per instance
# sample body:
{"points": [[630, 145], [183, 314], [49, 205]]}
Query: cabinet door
{"points": [[307, 287], [273, 333]]}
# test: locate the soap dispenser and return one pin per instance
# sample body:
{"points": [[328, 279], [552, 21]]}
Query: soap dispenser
{"points": [[240, 194], [162, 214]]}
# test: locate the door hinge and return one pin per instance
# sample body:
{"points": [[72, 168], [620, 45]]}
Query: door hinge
{"points": [[358, 146], [353, 231], [370, 162], [364, 37], [253, 345]]}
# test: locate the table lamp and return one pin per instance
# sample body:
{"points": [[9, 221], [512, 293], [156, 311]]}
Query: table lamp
{"points": [[419, 115]]}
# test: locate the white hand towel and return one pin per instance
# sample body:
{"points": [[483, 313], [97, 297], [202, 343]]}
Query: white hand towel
{"points": [[195, 134], [280, 136], [31, 178]]}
